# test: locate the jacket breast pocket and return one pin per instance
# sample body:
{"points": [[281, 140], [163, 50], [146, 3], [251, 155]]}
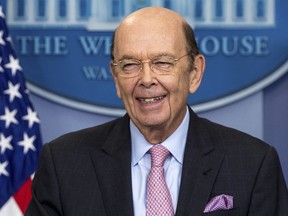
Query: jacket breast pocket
{"points": [[231, 212]]}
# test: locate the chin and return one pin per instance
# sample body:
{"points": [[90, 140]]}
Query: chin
{"points": [[152, 120]]}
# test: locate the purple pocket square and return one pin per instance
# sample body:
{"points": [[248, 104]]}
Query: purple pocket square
{"points": [[221, 202]]}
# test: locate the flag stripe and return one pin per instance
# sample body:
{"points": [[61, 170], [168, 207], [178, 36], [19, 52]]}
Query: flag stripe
{"points": [[23, 195], [11, 208], [20, 140]]}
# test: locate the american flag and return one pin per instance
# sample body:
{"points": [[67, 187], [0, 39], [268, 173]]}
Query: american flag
{"points": [[20, 140]]}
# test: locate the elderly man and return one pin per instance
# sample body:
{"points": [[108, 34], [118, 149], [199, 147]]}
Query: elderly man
{"points": [[160, 158]]}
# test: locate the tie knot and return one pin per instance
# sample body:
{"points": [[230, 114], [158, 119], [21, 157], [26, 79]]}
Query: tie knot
{"points": [[158, 155]]}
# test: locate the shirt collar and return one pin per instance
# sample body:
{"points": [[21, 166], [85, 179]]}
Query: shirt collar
{"points": [[174, 143]]}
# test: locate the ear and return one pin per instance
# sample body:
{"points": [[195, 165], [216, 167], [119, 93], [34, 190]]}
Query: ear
{"points": [[115, 78], [197, 73]]}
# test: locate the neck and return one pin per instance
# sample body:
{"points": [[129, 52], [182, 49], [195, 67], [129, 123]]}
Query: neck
{"points": [[156, 136], [159, 133]]}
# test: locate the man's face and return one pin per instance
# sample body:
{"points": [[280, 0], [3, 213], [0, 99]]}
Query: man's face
{"points": [[153, 101]]}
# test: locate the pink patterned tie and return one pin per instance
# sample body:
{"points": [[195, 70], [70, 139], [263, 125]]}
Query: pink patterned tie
{"points": [[159, 202]]}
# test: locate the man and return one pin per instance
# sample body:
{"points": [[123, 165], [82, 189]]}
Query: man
{"points": [[209, 170]]}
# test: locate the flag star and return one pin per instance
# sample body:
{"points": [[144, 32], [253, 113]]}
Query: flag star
{"points": [[5, 143], [1, 69], [27, 143], [3, 170], [13, 65], [2, 41], [9, 117], [31, 117], [13, 91], [1, 12], [9, 39]]}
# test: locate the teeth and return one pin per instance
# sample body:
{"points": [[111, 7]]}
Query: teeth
{"points": [[150, 100]]}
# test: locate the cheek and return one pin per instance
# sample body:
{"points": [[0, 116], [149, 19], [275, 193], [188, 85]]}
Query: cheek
{"points": [[178, 83], [180, 91], [125, 89]]}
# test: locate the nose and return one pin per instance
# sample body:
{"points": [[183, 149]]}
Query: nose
{"points": [[147, 76]]}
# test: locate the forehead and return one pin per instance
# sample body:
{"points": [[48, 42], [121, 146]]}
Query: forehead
{"points": [[150, 35]]}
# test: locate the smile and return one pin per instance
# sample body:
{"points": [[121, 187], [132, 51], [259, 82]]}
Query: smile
{"points": [[150, 100]]}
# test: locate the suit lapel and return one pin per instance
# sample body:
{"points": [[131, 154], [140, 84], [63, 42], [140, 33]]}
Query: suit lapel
{"points": [[202, 161], [113, 169]]}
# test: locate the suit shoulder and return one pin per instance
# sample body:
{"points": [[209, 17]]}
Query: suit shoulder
{"points": [[88, 137], [230, 138]]}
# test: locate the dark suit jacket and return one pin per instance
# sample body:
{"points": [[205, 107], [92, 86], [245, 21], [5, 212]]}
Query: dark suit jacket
{"points": [[88, 173]]}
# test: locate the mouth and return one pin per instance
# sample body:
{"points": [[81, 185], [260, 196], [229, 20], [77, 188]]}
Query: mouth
{"points": [[150, 100]]}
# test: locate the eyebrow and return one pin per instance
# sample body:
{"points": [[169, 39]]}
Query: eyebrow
{"points": [[127, 57], [152, 57]]}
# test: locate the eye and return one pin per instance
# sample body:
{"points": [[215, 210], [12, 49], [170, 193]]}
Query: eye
{"points": [[163, 63], [129, 65]]}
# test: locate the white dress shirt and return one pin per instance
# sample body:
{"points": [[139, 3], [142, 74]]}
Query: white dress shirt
{"points": [[141, 164]]}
